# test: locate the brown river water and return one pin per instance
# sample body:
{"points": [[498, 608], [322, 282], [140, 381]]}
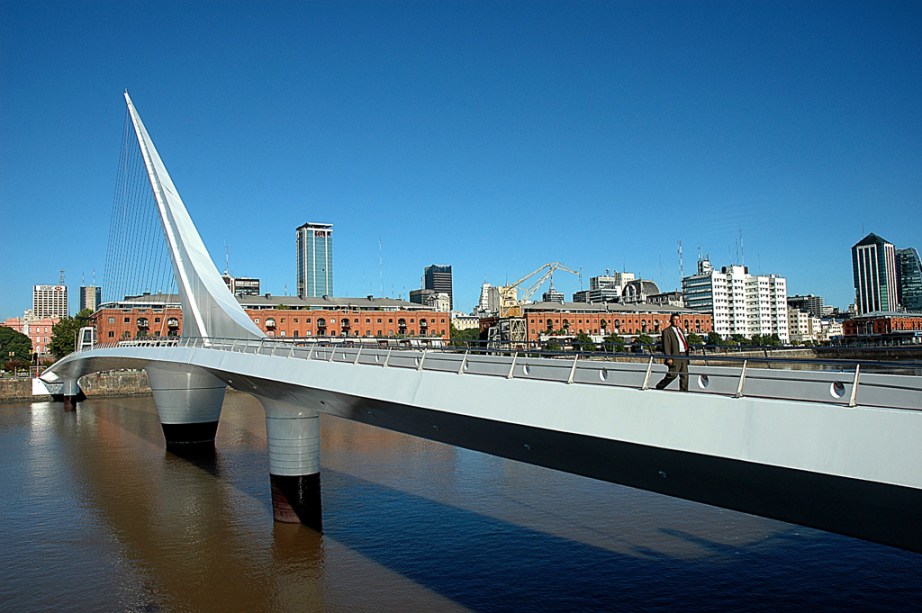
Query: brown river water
{"points": [[96, 515]]}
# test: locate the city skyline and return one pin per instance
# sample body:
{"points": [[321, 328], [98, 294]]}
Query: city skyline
{"points": [[774, 135]]}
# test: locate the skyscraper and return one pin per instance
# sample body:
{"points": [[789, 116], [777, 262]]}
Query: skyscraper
{"points": [[874, 272], [315, 260], [438, 278], [90, 297], [49, 301], [909, 274]]}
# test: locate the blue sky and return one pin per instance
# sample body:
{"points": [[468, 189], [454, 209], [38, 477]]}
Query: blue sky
{"points": [[492, 136]]}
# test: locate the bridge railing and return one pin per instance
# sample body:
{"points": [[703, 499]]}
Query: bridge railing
{"points": [[841, 382]]}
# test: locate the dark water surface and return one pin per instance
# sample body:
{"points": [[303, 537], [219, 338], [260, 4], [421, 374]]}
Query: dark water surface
{"points": [[95, 515]]}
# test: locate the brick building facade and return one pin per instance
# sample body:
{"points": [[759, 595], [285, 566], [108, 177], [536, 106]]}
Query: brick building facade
{"points": [[881, 323], [604, 319], [160, 316]]}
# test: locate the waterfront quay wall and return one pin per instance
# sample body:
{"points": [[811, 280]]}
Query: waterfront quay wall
{"points": [[102, 384]]}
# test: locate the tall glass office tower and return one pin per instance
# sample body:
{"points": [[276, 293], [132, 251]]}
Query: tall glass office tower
{"points": [[909, 271], [874, 271], [315, 260]]}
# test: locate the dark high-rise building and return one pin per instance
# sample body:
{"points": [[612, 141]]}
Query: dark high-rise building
{"points": [[438, 278], [90, 297], [909, 275], [874, 271], [809, 303]]}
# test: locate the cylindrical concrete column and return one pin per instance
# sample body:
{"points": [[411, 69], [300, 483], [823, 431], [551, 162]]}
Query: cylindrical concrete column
{"points": [[71, 391], [293, 436], [188, 401]]}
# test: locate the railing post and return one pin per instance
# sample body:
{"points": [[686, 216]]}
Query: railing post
{"points": [[387, 357], [422, 360], [573, 369], [357, 356], [646, 379], [332, 353], [463, 362], [853, 401], [739, 388], [512, 366]]}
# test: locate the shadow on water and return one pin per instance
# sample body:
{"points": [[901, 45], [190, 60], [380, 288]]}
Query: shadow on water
{"points": [[488, 564], [203, 456]]}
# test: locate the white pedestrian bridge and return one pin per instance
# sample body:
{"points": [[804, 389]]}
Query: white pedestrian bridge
{"points": [[834, 449], [839, 449]]}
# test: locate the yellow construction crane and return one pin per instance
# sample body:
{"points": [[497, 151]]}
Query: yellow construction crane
{"points": [[509, 304]]}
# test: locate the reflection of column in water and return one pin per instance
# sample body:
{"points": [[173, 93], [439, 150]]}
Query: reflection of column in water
{"points": [[190, 524]]}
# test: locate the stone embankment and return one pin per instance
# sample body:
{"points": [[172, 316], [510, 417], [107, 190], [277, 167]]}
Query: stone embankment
{"points": [[114, 383]]}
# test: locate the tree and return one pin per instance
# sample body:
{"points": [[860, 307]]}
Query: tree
{"points": [[694, 339], [471, 335], [583, 342], [715, 339], [64, 333], [613, 343], [646, 341], [16, 343]]}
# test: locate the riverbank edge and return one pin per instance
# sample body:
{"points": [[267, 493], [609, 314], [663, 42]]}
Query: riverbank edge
{"points": [[102, 384]]}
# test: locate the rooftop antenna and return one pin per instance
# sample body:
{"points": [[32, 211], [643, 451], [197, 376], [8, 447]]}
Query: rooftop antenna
{"points": [[681, 265], [381, 266], [62, 277], [742, 250], [226, 259]]}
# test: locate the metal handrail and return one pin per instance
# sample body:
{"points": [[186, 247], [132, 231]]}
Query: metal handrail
{"points": [[577, 367]]}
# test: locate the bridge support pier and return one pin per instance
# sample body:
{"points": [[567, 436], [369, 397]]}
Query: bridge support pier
{"points": [[71, 392], [188, 401], [293, 435]]}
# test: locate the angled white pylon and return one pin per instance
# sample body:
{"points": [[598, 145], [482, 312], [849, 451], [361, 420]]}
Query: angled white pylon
{"points": [[209, 308]]}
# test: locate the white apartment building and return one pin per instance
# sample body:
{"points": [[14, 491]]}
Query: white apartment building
{"points": [[740, 303]]}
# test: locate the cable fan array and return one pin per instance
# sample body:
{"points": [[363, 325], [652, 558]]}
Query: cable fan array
{"points": [[138, 267]]}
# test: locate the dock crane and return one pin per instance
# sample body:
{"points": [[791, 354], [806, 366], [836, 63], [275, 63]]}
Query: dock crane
{"points": [[508, 330], [509, 304]]}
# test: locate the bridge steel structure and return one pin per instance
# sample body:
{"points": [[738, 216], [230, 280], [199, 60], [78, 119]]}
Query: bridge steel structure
{"points": [[839, 451]]}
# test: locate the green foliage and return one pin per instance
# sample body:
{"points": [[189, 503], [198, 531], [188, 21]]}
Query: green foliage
{"points": [[464, 336], [64, 333], [613, 343], [583, 342], [715, 339], [552, 345], [694, 339], [16, 343], [646, 340]]}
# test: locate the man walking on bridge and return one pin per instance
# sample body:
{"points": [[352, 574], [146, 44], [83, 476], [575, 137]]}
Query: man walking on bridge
{"points": [[674, 344]]}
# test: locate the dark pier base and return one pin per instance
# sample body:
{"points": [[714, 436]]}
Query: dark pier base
{"points": [[297, 500], [70, 403], [185, 434]]}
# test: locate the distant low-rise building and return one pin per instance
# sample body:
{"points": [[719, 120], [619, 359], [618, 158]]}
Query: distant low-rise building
{"points": [[160, 315], [463, 321], [604, 319], [38, 329], [890, 324]]}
